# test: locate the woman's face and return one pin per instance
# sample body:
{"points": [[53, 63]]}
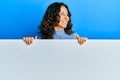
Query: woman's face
{"points": [[64, 18]]}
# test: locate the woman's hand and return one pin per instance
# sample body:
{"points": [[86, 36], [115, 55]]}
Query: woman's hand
{"points": [[81, 40], [29, 40]]}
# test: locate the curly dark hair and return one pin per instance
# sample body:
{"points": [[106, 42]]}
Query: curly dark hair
{"points": [[51, 19]]}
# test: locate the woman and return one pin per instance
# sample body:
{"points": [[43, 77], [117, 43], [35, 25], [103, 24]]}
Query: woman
{"points": [[56, 24]]}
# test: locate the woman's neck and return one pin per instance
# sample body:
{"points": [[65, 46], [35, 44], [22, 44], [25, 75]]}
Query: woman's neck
{"points": [[57, 28]]}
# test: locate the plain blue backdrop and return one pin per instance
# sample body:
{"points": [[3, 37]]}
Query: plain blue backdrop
{"points": [[95, 19]]}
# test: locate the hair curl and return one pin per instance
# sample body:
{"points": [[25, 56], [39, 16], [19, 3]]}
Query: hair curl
{"points": [[51, 19]]}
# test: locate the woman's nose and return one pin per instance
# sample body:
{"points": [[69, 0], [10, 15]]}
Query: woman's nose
{"points": [[66, 17]]}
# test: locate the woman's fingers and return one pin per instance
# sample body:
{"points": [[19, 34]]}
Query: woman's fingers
{"points": [[81, 40], [29, 40]]}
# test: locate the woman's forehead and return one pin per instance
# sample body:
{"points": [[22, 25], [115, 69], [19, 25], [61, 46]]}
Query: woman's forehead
{"points": [[63, 9]]}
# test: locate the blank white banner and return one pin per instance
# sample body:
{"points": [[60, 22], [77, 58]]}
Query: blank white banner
{"points": [[60, 60]]}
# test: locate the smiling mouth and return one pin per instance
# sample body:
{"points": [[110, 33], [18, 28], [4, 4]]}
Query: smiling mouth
{"points": [[65, 22]]}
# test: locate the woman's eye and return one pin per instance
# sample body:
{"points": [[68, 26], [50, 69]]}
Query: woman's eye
{"points": [[62, 14]]}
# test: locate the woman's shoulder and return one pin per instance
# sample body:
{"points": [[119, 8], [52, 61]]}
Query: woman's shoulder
{"points": [[73, 35]]}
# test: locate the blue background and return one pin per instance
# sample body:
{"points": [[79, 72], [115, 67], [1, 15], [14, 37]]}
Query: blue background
{"points": [[95, 19]]}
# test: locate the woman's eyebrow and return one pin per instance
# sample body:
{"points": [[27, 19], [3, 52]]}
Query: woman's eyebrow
{"points": [[64, 12]]}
